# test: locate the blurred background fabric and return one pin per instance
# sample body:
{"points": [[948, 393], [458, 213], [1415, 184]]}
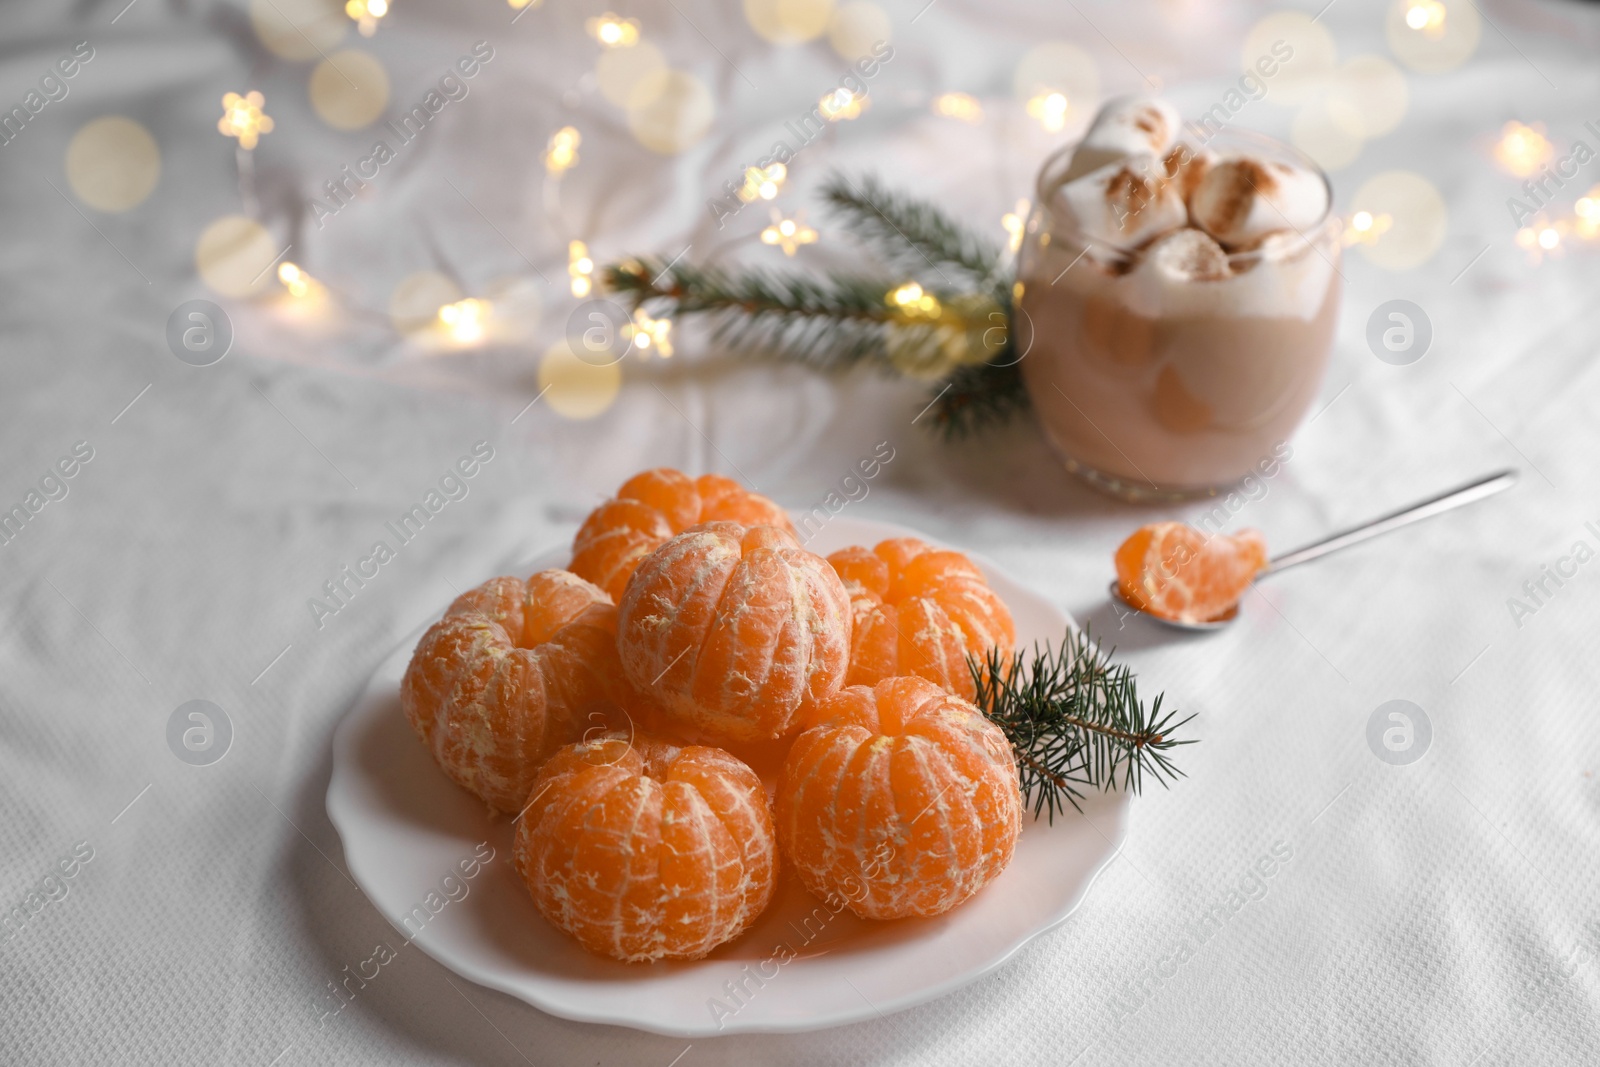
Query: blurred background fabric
{"points": [[1441, 912]]}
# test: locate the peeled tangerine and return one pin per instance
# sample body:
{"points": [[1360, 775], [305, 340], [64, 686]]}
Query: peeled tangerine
{"points": [[919, 610], [651, 507], [646, 851], [1172, 570], [735, 631], [902, 801], [508, 676]]}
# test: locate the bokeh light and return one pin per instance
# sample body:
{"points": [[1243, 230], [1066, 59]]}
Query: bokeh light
{"points": [[349, 89], [299, 30], [625, 74], [856, 27], [1420, 219], [1433, 36], [671, 112], [113, 163], [235, 255], [574, 388], [1058, 68], [415, 302], [789, 21], [1305, 74]]}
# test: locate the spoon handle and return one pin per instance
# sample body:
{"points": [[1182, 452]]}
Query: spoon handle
{"points": [[1447, 501]]}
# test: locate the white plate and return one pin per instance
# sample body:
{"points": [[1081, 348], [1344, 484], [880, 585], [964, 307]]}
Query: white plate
{"points": [[406, 828]]}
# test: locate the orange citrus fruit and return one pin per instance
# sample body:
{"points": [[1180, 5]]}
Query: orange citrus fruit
{"points": [[645, 850], [902, 800], [1172, 570], [510, 674], [734, 630], [919, 610], [651, 507]]}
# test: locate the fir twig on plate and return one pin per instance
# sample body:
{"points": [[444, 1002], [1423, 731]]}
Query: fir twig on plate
{"points": [[1075, 720]]}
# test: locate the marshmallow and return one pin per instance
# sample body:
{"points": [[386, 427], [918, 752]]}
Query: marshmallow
{"points": [[1126, 126], [1186, 165], [1239, 201], [1187, 255], [1122, 204]]}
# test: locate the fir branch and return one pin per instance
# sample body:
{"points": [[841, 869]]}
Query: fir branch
{"points": [[1075, 720], [913, 235], [978, 397], [831, 323]]}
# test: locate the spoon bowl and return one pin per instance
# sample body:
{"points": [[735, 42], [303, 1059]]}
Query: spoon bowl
{"points": [[1434, 505]]}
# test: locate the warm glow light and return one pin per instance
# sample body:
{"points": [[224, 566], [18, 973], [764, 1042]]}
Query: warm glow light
{"points": [[613, 31], [298, 282], [841, 104], [243, 118], [914, 302], [1365, 228], [366, 13], [464, 319], [763, 184], [1013, 221], [1050, 109], [788, 234], [648, 333], [580, 268], [518, 5], [1549, 238], [1427, 17], [1523, 149], [561, 154], [958, 106]]}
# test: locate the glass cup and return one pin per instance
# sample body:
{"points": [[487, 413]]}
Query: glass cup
{"points": [[1156, 389]]}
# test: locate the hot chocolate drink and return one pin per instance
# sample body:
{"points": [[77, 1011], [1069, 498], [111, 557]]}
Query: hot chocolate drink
{"points": [[1178, 299]]}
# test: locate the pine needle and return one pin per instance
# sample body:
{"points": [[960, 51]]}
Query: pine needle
{"points": [[1076, 722]]}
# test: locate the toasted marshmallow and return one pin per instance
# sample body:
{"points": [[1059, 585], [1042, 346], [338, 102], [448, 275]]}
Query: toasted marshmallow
{"points": [[1186, 165], [1122, 204], [1126, 126], [1239, 201]]}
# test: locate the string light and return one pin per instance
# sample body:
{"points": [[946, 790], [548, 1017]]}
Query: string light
{"points": [[910, 300], [841, 105], [1427, 17], [1050, 109], [763, 184], [518, 5], [243, 118], [613, 31], [1013, 223], [1588, 211], [1365, 228], [958, 106], [581, 268], [367, 13], [464, 319], [1523, 149], [561, 154], [298, 282], [648, 333], [788, 234]]}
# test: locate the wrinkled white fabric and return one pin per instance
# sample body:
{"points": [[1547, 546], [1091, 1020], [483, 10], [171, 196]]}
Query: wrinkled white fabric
{"points": [[1440, 913]]}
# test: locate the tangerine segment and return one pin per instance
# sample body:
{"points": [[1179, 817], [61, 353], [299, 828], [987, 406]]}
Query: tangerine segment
{"points": [[920, 611], [508, 676], [646, 851], [651, 507], [1172, 570], [734, 630], [902, 800]]}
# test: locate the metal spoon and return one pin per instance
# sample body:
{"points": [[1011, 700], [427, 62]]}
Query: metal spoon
{"points": [[1447, 501]]}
